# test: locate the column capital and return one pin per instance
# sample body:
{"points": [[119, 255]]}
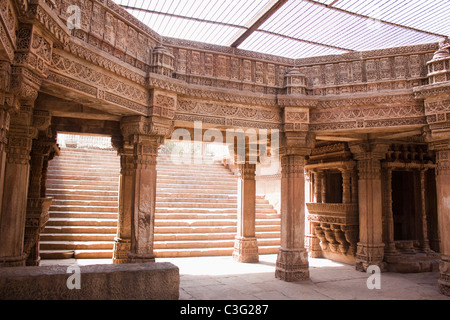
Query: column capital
{"points": [[137, 129], [369, 154], [296, 143]]}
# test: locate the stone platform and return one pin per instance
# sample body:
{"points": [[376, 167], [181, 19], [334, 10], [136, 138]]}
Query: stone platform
{"points": [[140, 281]]}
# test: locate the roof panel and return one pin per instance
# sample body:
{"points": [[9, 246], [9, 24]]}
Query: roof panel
{"points": [[299, 28]]}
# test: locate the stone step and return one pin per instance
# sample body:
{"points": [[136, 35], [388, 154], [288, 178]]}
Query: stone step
{"points": [[97, 209], [193, 244], [76, 245], [211, 210], [99, 222], [76, 254], [182, 216], [204, 204], [75, 215], [93, 188], [210, 236], [211, 229], [183, 191], [196, 180], [86, 203], [85, 177], [66, 183], [52, 192], [169, 253], [79, 229], [196, 208], [85, 198], [77, 237]]}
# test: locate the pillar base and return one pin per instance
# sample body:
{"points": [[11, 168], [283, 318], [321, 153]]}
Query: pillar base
{"points": [[12, 261], [245, 250], [369, 255], [292, 265], [140, 258], [444, 281], [121, 249]]}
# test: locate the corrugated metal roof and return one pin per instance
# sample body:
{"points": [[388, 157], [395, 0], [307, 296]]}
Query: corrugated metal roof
{"points": [[297, 28]]}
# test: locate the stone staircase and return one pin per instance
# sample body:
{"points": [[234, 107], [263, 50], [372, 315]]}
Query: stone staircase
{"points": [[195, 209]]}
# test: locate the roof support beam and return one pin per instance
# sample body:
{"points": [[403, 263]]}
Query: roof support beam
{"points": [[256, 22]]}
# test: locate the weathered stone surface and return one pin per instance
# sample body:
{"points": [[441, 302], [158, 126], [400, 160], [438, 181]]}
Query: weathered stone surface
{"points": [[149, 281]]}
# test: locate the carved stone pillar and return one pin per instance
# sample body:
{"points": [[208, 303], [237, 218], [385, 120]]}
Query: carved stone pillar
{"points": [[370, 248], [443, 202], [37, 205], [8, 104], [346, 186], [354, 183], [245, 244], [388, 232], [423, 211], [292, 260], [122, 243], [145, 136], [14, 205], [318, 177]]}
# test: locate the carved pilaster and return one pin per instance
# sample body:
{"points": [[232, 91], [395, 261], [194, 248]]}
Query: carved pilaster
{"points": [[14, 202], [370, 248], [442, 149]]}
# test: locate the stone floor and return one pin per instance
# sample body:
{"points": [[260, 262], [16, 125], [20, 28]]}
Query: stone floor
{"points": [[220, 278]]}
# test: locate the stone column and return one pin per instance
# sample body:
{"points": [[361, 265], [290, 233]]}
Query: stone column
{"points": [[37, 206], [370, 248], [122, 243], [145, 151], [145, 136], [4, 128], [443, 202], [245, 244], [292, 261], [14, 205], [387, 213], [423, 211], [346, 187], [318, 177]]}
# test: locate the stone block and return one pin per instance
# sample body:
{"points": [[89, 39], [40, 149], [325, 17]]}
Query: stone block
{"points": [[140, 281]]}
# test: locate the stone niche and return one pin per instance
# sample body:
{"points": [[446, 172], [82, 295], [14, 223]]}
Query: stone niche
{"points": [[132, 281]]}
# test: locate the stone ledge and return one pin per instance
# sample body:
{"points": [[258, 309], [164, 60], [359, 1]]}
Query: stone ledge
{"points": [[143, 281]]}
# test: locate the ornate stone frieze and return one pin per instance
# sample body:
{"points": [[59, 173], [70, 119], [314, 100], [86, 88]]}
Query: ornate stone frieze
{"points": [[8, 26], [334, 213]]}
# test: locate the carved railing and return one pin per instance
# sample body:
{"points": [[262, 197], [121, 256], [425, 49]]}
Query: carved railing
{"points": [[336, 226]]}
